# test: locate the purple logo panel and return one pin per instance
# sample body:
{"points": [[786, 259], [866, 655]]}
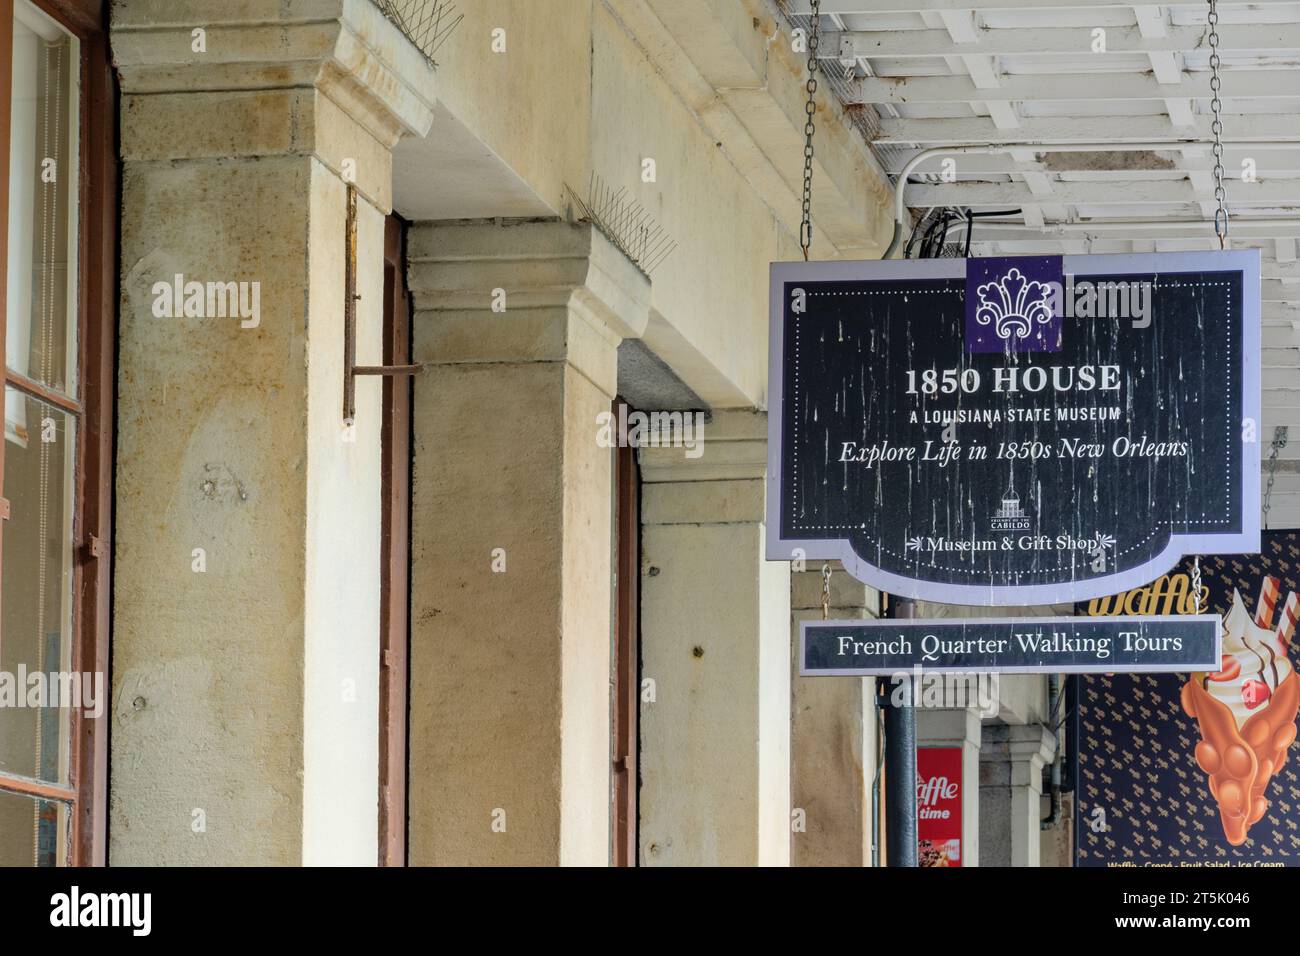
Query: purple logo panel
{"points": [[1009, 304]]}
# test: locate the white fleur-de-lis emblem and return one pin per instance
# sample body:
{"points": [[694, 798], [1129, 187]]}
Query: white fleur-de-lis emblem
{"points": [[1014, 305]]}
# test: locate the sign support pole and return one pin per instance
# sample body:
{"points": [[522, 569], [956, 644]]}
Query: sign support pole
{"points": [[900, 764]]}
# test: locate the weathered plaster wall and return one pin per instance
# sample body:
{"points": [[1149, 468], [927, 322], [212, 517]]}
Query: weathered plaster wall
{"points": [[530, 105], [229, 685], [212, 426], [833, 733], [715, 631], [484, 435], [713, 288]]}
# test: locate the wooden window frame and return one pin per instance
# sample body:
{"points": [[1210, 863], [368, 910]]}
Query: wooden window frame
{"points": [[86, 793]]}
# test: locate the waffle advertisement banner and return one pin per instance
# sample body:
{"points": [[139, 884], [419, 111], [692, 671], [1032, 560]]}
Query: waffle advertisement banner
{"points": [[938, 805], [1197, 769]]}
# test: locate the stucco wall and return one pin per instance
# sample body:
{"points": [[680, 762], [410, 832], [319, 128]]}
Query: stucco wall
{"points": [[713, 287], [531, 104], [211, 452]]}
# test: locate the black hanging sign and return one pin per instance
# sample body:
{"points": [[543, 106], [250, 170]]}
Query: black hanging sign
{"points": [[1014, 431], [1045, 645]]}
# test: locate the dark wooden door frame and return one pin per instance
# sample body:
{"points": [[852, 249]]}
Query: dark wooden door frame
{"points": [[627, 653], [395, 553], [98, 377]]}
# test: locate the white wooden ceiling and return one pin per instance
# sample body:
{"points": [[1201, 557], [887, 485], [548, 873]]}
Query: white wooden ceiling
{"points": [[1020, 72]]}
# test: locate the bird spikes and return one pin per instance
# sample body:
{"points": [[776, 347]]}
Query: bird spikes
{"points": [[426, 23], [625, 223]]}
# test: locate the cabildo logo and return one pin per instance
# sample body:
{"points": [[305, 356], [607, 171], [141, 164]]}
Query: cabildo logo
{"points": [[1011, 516], [1019, 304]]}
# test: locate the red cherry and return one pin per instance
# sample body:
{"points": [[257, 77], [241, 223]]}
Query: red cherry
{"points": [[1254, 693], [1231, 669]]}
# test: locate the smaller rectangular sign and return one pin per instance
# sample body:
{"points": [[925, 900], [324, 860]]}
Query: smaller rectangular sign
{"points": [[1044, 645], [938, 805]]}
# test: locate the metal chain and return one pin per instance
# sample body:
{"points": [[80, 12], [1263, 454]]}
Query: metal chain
{"points": [[826, 592], [1196, 584], [810, 108], [1216, 127], [1279, 442]]}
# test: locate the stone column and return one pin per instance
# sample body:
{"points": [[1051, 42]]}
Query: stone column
{"points": [[511, 572], [958, 728], [833, 734], [246, 591], [715, 641], [1011, 791]]}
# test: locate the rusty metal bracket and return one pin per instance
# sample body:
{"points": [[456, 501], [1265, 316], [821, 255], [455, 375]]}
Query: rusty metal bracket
{"points": [[95, 546], [350, 297]]}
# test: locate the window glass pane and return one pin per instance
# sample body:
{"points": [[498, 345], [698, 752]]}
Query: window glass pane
{"points": [[36, 676], [40, 327], [32, 832]]}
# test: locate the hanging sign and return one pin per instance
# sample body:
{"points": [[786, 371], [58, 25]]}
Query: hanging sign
{"points": [[938, 805], [1046, 645], [1014, 431]]}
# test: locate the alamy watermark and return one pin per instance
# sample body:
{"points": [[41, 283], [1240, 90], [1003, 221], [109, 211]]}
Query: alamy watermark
{"points": [[133, 911], [40, 689], [637, 429], [1112, 299], [208, 300], [944, 690]]}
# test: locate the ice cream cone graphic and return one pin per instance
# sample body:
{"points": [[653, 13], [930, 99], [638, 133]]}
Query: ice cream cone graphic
{"points": [[1246, 711]]}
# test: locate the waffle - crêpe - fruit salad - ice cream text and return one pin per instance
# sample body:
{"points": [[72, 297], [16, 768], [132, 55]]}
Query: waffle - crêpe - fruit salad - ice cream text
{"points": [[1246, 710]]}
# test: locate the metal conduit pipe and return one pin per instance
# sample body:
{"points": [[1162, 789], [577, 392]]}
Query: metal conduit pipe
{"points": [[1054, 788], [900, 205], [1119, 225]]}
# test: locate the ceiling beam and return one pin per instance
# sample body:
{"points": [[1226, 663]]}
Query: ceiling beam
{"points": [[1171, 164], [1108, 230], [1283, 356], [1073, 87], [1273, 192], [1275, 290], [1030, 242], [1085, 129], [1288, 378], [1281, 337], [960, 26], [1054, 41], [1280, 313], [803, 7]]}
